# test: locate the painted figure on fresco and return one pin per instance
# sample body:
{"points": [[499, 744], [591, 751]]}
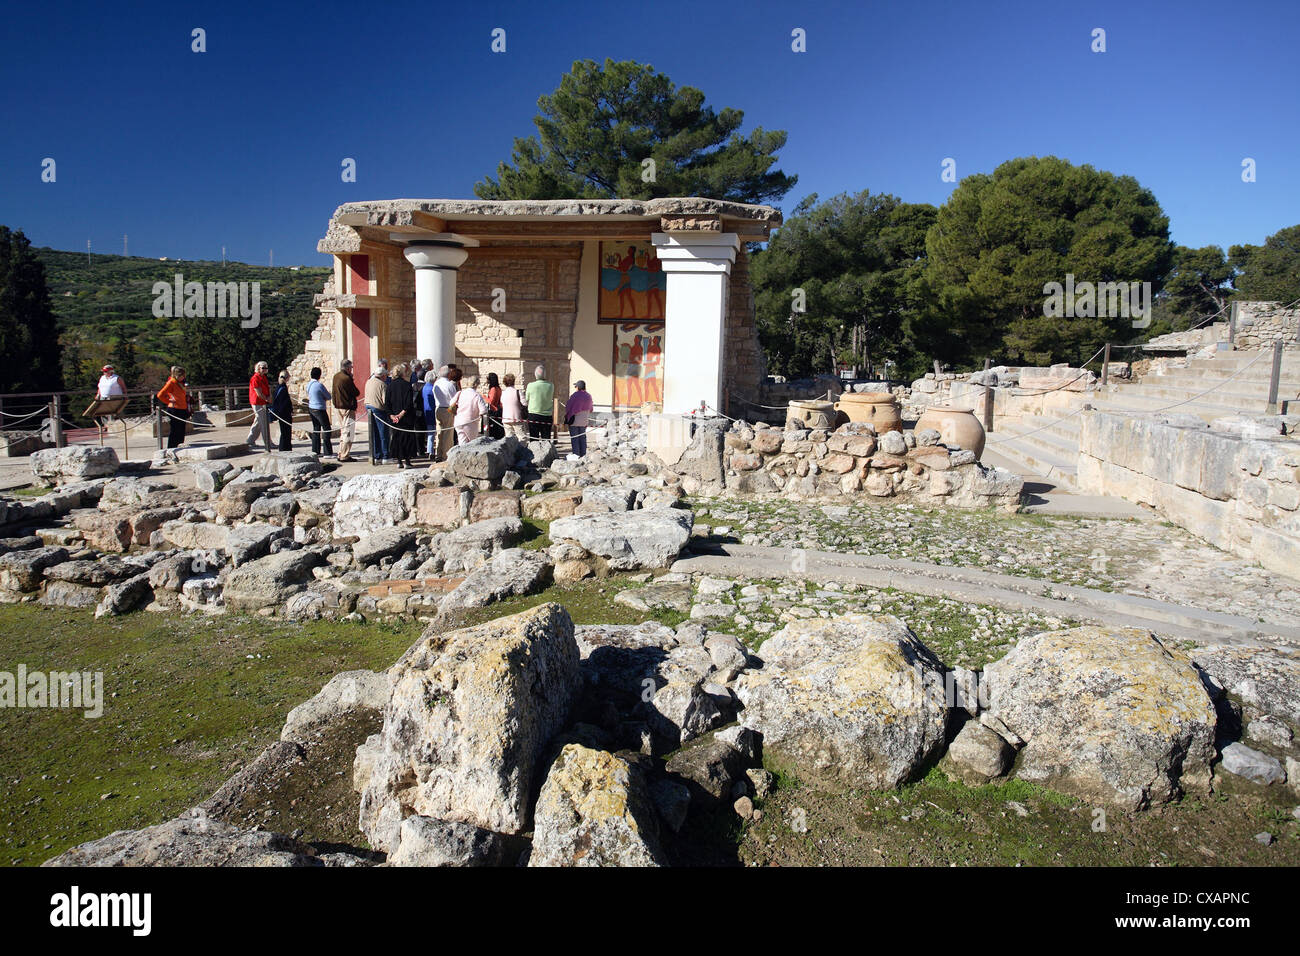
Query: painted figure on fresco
{"points": [[632, 283], [638, 364]]}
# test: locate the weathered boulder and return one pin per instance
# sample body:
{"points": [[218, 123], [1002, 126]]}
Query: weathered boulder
{"points": [[125, 596], [1266, 681], [24, 570], [248, 542], [509, 573], [347, 693], [170, 574], [488, 536], [383, 543], [270, 581], [279, 508], [445, 507], [483, 459], [595, 810], [67, 594], [425, 841], [855, 701], [550, 505], [631, 540], [98, 573], [366, 503], [196, 535], [1250, 763], [1107, 714], [75, 463], [293, 467], [235, 500], [977, 755], [105, 531], [195, 840], [469, 715], [494, 504], [602, 499], [710, 766]]}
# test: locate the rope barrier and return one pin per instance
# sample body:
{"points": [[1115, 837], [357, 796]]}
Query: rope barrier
{"points": [[1056, 388], [20, 418], [1212, 388]]}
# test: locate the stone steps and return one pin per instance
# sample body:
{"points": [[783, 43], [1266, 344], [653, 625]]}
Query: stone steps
{"points": [[1040, 447]]}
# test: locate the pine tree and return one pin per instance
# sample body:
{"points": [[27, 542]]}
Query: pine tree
{"points": [[622, 130], [29, 332]]}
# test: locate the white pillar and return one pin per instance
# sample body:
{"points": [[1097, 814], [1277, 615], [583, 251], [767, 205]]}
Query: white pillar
{"points": [[698, 267], [436, 260]]}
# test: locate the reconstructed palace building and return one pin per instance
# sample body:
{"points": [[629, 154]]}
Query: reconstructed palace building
{"points": [[647, 301]]}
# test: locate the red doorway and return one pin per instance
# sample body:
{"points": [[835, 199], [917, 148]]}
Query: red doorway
{"points": [[359, 349]]}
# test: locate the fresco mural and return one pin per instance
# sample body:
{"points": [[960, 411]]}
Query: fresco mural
{"points": [[633, 284], [638, 364]]}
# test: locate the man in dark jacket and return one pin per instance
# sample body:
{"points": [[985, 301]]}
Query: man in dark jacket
{"points": [[282, 411], [345, 394]]}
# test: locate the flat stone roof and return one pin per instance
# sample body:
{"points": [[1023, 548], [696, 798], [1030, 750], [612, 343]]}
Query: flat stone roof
{"points": [[354, 220]]}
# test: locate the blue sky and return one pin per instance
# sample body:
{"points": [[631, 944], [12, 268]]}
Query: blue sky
{"points": [[241, 146]]}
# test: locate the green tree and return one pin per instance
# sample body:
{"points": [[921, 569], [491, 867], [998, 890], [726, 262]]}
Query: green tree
{"points": [[1001, 238], [1198, 285], [126, 363], [29, 333], [1271, 272], [852, 263], [220, 351], [597, 131]]}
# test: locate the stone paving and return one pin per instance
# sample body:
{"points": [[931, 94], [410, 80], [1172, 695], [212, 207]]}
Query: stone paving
{"points": [[1151, 559]]}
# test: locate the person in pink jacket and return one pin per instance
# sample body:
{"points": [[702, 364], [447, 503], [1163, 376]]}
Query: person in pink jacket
{"points": [[470, 409]]}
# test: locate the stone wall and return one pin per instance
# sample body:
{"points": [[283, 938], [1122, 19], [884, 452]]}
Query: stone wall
{"points": [[541, 306], [851, 461], [1260, 324], [746, 364], [1237, 487]]}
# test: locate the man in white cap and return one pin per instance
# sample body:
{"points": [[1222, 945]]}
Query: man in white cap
{"points": [[110, 384]]}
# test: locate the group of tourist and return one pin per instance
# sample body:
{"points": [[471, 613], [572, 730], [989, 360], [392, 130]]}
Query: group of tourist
{"points": [[414, 411]]}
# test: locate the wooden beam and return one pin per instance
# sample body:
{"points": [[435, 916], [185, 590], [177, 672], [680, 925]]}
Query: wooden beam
{"points": [[557, 229], [514, 306], [526, 252]]}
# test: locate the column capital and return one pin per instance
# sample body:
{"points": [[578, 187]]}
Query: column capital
{"points": [[697, 252], [436, 250]]}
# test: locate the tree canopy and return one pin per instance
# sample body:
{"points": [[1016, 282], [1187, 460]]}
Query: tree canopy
{"points": [[855, 260], [1270, 272], [601, 126], [1001, 238], [29, 334]]}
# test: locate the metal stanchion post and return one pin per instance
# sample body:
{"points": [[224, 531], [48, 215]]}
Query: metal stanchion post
{"points": [[158, 425], [1105, 366]]}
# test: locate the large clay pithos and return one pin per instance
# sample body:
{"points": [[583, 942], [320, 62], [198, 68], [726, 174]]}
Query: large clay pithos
{"points": [[810, 414], [956, 426], [879, 408]]}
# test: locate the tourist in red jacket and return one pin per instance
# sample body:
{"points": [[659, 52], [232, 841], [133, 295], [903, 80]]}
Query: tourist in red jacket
{"points": [[259, 396]]}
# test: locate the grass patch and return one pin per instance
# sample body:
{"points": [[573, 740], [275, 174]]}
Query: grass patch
{"points": [[936, 821], [536, 534], [186, 701]]}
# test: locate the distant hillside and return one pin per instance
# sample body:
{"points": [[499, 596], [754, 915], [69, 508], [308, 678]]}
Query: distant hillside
{"points": [[111, 299]]}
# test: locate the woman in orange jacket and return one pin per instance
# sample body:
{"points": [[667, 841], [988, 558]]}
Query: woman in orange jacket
{"points": [[177, 400]]}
